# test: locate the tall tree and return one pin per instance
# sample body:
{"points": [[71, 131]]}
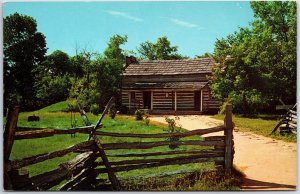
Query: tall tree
{"points": [[24, 49], [104, 76], [113, 51], [161, 50], [257, 66], [53, 78], [58, 63], [147, 50]]}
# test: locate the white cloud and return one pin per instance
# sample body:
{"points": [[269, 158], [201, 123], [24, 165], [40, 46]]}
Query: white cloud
{"points": [[186, 24], [124, 15]]}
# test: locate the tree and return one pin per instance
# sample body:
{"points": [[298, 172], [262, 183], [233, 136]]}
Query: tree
{"points": [[257, 66], [113, 51], [205, 55], [53, 78], [161, 50], [53, 89], [104, 79], [147, 50], [24, 49], [58, 63]]}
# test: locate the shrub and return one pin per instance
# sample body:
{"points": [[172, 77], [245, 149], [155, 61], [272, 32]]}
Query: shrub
{"points": [[172, 129], [72, 104], [95, 109], [147, 119], [33, 118], [112, 111], [138, 115]]}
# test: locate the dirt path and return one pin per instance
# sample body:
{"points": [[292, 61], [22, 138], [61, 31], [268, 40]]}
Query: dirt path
{"points": [[268, 164]]}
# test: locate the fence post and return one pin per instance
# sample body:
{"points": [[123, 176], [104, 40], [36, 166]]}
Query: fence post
{"points": [[8, 139], [229, 139], [10, 127]]}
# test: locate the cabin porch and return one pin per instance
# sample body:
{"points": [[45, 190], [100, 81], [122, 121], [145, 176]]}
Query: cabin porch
{"points": [[170, 101]]}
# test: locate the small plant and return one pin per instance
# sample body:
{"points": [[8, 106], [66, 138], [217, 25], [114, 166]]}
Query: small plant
{"points": [[147, 118], [172, 129], [112, 111], [138, 115]]}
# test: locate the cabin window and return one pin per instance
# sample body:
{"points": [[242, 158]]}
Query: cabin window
{"points": [[132, 96]]}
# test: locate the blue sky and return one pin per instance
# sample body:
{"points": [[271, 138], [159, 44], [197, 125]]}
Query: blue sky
{"points": [[192, 26]]}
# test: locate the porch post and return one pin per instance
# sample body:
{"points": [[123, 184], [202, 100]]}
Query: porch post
{"points": [[151, 100], [201, 100], [175, 101], [129, 97]]}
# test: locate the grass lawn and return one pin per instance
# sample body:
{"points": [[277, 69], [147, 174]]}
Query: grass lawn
{"points": [[262, 126], [53, 117]]}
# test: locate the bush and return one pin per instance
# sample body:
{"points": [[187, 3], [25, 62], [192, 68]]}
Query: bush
{"points": [[72, 104], [95, 109], [138, 115], [147, 119], [172, 129], [112, 111], [33, 118]]}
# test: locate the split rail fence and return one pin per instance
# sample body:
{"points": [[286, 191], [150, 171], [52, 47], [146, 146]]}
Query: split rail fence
{"points": [[82, 171]]}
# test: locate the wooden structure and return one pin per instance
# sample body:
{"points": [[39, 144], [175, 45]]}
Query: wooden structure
{"points": [[288, 122], [168, 86], [82, 171]]}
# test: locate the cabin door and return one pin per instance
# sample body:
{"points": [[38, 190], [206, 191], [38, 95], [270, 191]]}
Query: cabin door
{"points": [[147, 100], [197, 100]]}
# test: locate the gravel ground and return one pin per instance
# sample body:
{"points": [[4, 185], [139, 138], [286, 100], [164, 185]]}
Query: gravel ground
{"points": [[267, 163]]}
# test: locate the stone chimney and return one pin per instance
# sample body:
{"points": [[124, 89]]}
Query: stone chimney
{"points": [[130, 60]]}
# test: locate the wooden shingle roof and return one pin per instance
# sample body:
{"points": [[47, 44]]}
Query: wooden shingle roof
{"points": [[170, 67], [167, 85]]}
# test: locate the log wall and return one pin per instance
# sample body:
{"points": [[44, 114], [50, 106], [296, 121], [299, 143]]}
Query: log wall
{"points": [[185, 101], [162, 101], [209, 103], [136, 103], [125, 98]]}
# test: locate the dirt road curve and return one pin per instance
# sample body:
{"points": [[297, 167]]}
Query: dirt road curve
{"points": [[268, 164]]}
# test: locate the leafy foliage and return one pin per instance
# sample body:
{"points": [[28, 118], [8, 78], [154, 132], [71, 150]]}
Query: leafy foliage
{"points": [[161, 50], [101, 75], [139, 114], [24, 49], [172, 129], [53, 78], [50, 90], [257, 65]]}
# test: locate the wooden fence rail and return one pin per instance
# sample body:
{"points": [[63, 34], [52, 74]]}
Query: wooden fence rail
{"points": [[84, 168]]}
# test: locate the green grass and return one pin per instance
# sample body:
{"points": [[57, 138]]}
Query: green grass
{"points": [[57, 107], [52, 117], [263, 125]]}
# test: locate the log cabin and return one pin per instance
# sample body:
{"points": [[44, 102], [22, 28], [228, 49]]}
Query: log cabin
{"points": [[168, 86]]}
